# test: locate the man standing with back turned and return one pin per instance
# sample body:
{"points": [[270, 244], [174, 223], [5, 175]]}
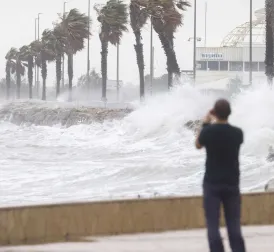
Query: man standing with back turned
{"points": [[221, 181]]}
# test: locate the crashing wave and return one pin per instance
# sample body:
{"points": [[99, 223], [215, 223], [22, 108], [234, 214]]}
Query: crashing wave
{"points": [[50, 113], [269, 187]]}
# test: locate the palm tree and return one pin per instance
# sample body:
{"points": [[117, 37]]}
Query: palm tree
{"points": [[43, 55], [10, 66], [166, 19], [28, 54], [94, 79], [56, 46], [269, 40], [173, 19], [19, 68], [138, 18], [113, 17], [73, 30]]}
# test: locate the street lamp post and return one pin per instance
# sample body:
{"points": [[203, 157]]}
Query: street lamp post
{"points": [[35, 67], [38, 34], [118, 70], [38, 37], [205, 24], [151, 56], [250, 43], [117, 74], [88, 51], [63, 65], [64, 8], [194, 41]]}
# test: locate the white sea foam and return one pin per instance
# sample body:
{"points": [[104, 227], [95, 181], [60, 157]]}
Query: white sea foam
{"points": [[149, 152]]}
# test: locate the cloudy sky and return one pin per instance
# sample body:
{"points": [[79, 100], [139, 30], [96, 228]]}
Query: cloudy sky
{"points": [[17, 22]]}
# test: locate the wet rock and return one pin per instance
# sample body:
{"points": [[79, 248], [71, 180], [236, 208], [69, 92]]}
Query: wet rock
{"points": [[270, 157], [47, 114], [193, 125]]}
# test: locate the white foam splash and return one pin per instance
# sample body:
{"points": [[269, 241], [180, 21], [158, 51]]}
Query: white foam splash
{"points": [[148, 152]]}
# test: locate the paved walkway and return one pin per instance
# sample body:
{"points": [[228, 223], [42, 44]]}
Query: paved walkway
{"points": [[257, 239]]}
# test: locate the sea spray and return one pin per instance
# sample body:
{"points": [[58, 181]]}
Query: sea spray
{"points": [[148, 152]]}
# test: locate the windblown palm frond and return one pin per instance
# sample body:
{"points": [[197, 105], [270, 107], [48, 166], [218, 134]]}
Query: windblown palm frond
{"points": [[182, 5], [26, 52], [10, 58], [71, 33], [15, 64], [138, 18], [10, 68], [19, 58], [11, 54], [42, 47], [166, 18], [28, 56], [73, 29], [138, 15], [114, 19], [167, 13], [172, 16], [54, 43]]}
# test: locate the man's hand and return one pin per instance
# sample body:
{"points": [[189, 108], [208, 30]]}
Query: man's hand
{"points": [[208, 118]]}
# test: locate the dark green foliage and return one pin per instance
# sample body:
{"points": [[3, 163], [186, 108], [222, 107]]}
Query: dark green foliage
{"points": [[138, 18], [10, 66], [166, 18], [71, 32], [113, 17]]}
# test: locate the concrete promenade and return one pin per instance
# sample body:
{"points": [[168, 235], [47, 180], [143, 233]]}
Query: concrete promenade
{"points": [[259, 238]]}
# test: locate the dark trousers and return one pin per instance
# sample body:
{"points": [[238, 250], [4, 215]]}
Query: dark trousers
{"points": [[229, 196]]}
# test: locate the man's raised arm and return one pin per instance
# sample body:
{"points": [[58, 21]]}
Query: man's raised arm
{"points": [[201, 136]]}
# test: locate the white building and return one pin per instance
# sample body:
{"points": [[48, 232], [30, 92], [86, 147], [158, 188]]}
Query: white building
{"points": [[230, 59], [218, 64]]}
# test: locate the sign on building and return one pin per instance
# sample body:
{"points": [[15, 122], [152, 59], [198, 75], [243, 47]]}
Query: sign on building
{"points": [[212, 56], [112, 84]]}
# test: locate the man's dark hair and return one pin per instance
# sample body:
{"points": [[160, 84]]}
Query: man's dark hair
{"points": [[222, 109]]}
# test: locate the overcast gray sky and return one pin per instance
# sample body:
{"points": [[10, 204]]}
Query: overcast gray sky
{"points": [[17, 21]]}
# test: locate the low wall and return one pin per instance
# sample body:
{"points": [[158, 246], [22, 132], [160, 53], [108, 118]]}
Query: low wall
{"points": [[39, 224]]}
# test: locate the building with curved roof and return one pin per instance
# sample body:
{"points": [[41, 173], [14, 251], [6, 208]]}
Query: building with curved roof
{"points": [[232, 57], [240, 35]]}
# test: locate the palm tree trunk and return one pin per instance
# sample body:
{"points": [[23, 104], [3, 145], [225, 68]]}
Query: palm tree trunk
{"points": [[169, 79], [44, 91], [44, 72], [172, 64], [30, 75], [70, 74], [18, 79], [269, 50], [140, 61], [7, 80], [170, 73], [104, 55], [58, 73], [167, 44]]}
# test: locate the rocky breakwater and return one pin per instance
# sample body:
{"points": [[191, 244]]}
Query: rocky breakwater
{"points": [[50, 114], [193, 125]]}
